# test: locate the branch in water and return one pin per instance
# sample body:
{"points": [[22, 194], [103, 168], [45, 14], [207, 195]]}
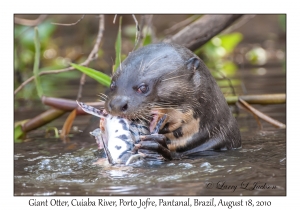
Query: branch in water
{"points": [[42, 119], [258, 99], [67, 104], [60, 106], [261, 115]]}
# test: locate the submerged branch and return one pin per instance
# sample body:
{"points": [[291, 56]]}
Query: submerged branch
{"points": [[67, 126], [42, 119], [258, 99], [60, 106], [261, 115], [240, 106], [67, 104]]}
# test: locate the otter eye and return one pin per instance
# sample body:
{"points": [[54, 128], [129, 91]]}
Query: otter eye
{"points": [[143, 88], [113, 85]]}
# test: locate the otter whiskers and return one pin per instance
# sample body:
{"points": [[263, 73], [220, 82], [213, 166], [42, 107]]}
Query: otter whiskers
{"points": [[103, 96]]}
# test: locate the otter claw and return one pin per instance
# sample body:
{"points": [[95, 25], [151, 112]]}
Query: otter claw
{"points": [[159, 138], [159, 123], [155, 142], [156, 145]]}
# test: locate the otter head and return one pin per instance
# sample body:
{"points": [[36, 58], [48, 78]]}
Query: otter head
{"points": [[155, 77]]}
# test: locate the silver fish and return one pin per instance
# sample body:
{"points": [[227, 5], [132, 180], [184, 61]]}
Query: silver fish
{"points": [[117, 135]]}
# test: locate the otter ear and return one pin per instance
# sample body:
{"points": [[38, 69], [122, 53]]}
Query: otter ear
{"points": [[193, 63]]}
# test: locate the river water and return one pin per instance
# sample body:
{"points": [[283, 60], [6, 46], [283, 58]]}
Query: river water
{"points": [[48, 166]]}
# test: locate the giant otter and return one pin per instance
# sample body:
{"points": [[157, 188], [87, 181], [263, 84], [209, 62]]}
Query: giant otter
{"points": [[169, 79]]}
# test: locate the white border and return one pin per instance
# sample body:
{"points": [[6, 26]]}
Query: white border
{"points": [[8, 8]]}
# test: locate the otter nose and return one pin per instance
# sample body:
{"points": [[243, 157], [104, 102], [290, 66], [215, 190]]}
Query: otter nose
{"points": [[119, 104]]}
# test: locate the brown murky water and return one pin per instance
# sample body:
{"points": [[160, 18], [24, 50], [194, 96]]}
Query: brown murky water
{"points": [[259, 168], [51, 167]]}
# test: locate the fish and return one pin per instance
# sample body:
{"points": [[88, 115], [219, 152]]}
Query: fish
{"points": [[118, 135]]}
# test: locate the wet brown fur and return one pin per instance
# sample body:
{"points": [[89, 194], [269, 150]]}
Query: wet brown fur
{"points": [[177, 120], [180, 86]]}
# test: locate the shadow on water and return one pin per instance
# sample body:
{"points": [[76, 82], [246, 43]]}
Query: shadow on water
{"points": [[51, 167]]}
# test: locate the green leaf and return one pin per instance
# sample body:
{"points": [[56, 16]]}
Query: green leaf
{"points": [[56, 133], [229, 41], [118, 47], [37, 79], [147, 40], [96, 75], [18, 133], [229, 68]]}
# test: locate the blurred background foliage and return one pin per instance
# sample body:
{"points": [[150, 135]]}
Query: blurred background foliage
{"points": [[254, 46], [24, 52], [60, 45]]}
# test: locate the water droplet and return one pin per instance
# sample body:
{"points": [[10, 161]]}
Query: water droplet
{"points": [[45, 161], [205, 164], [186, 165], [171, 164]]}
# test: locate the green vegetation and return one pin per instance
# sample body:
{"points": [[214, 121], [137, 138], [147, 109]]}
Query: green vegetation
{"points": [[36, 51], [100, 77], [217, 53], [37, 62], [118, 47], [36, 48]]}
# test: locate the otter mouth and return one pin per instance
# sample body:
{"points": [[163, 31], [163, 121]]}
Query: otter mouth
{"points": [[152, 121]]}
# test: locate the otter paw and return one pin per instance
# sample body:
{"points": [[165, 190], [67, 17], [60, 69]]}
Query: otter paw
{"points": [[156, 143]]}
